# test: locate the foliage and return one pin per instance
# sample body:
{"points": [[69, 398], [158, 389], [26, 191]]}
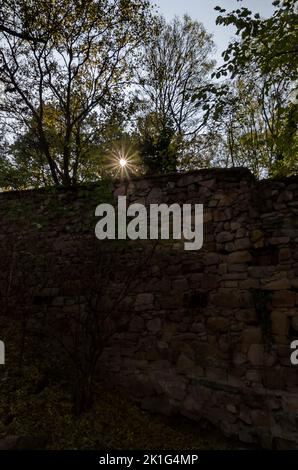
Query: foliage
{"points": [[158, 144], [255, 110], [36, 403], [262, 299], [21, 20], [269, 43], [25, 165]]}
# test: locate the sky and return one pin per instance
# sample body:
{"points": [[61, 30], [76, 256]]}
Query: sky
{"points": [[203, 11]]}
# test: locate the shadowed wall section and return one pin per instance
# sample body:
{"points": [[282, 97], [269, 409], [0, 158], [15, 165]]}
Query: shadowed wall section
{"points": [[207, 333]]}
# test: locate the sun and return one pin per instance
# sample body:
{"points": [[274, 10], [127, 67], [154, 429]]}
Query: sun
{"points": [[122, 160]]}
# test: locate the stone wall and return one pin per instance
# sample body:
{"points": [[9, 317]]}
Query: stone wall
{"points": [[209, 331]]}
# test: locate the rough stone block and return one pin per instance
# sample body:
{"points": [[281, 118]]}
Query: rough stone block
{"points": [[239, 257], [284, 298]]}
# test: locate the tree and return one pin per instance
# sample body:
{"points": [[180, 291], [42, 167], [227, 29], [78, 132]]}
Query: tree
{"points": [[85, 332], [74, 340], [176, 61], [269, 43], [158, 144], [25, 165], [79, 69], [256, 108], [252, 125]]}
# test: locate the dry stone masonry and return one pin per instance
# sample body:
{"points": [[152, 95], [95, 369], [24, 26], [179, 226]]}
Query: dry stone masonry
{"points": [[209, 331]]}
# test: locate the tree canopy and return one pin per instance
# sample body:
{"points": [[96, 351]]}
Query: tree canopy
{"points": [[270, 43], [78, 70], [80, 78]]}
